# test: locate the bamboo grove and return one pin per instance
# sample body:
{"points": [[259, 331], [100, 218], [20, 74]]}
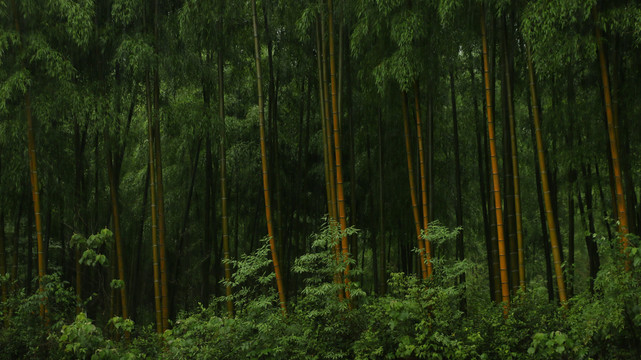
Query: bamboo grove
{"points": [[192, 129]]}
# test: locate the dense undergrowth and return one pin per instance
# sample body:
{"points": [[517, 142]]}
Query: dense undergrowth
{"points": [[413, 320]]}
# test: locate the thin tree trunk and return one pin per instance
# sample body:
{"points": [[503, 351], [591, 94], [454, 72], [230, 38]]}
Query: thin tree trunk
{"points": [[571, 238], [460, 245], [33, 169], [480, 151], [612, 135], [554, 241], [410, 172], [505, 291], [184, 232], [589, 227], [321, 96], [135, 290], [541, 206], [206, 246], [605, 216], [159, 181], [28, 232], [113, 183], [509, 219], [381, 217], [424, 190], [352, 154], [223, 186], [3, 258], [79, 145], [515, 166], [263, 152], [337, 149], [328, 142], [154, 222]]}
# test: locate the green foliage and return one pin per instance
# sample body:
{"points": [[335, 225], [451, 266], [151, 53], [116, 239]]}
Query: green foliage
{"points": [[91, 246], [415, 319], [25, 334]]}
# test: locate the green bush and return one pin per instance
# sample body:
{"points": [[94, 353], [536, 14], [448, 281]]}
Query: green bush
{"points": [[415, 319]]}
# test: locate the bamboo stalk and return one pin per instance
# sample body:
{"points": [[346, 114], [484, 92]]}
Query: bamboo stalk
{"points": [[424, 190], [154, 221], [410, 172], [223, 183], [263, 158], [547, 198], [116, 219], [613, 136], [505, 290], [337, 149], [33, 171]]}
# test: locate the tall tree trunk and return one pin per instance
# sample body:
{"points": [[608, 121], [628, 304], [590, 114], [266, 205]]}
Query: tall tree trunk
{"points": [[550, 219], [154, 220], [263, 153], [135, 289], [322, 92], [206, 244], [544, 243], [410, 171], [508, 205], [351, 118], [79, 145], [505, 290], [589, 227], [113, 183], [460, 245], [159, 181], [3, 257], [184, 235], [381, 217], [29, 234], [612, 135], [223, 186], [328, 142], [328, 124], [337, 148], [424, 190], [480, 153], [33, 169], [515, 166], [571, 238]]}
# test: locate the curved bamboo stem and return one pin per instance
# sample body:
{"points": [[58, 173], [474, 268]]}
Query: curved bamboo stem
{"points": [[549, 211], [421, 161], [613, 136], [263, 159], [337, 148], [410, 172]]}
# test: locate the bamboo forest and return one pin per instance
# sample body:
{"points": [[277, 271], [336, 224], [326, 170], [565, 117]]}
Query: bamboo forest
{"points": [[320, 179]]}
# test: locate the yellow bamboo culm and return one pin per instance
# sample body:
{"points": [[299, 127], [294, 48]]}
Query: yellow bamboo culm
{"points": [[263, 159], [549, 214], [622, 215], [505, 289], [410, 172]]}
